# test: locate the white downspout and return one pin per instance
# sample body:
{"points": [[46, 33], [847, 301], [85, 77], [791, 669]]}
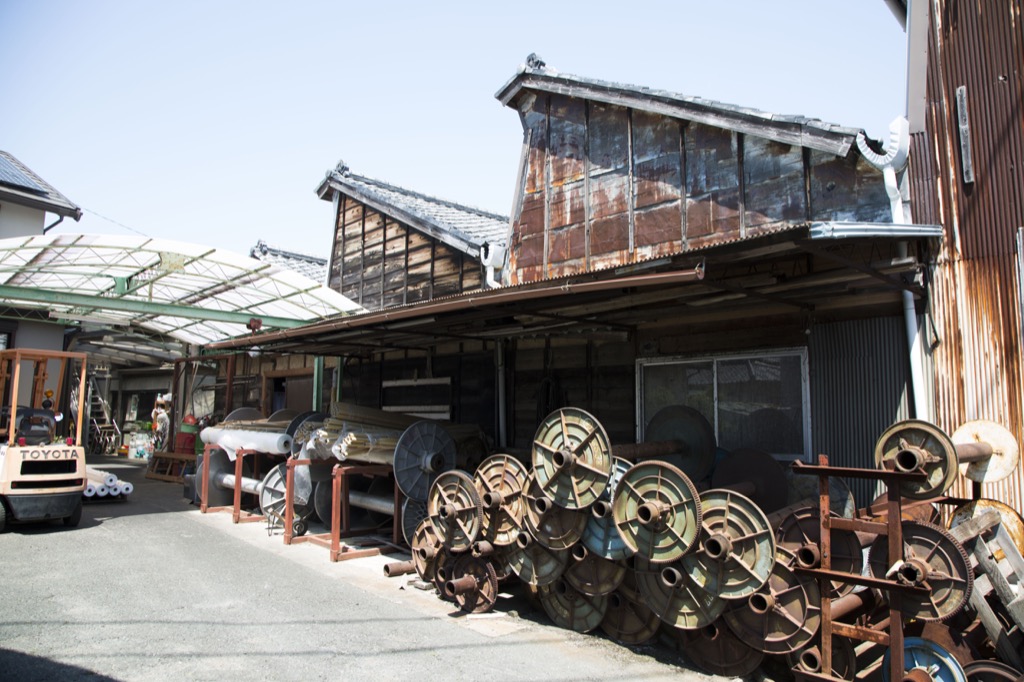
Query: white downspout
{"points": [[897, 151]]}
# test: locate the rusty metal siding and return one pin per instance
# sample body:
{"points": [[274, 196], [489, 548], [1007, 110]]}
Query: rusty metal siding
{"points": [[858, 376]]}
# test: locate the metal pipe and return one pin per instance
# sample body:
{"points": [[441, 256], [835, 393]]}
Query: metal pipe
{"points": [[499, 353], [974, 452], [397, 568], [374, 503], [466, 583]]}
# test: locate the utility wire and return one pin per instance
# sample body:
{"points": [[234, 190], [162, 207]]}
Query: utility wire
{"points": [[110, 220]]}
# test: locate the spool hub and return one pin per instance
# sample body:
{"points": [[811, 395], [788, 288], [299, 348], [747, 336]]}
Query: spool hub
{"points": [[657, 511], [478, 572], [915, 445], [424, 451], [500, 480], [572, 458], [800, 534], [844, 659], [454, 507]]}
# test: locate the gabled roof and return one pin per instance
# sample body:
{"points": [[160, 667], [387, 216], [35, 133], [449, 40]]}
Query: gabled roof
{"points": [[462, 227], [535, 75], [19, 185], [308, 266]]}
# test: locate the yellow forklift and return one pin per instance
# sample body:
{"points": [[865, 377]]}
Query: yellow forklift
{"points": [[42, 460]]}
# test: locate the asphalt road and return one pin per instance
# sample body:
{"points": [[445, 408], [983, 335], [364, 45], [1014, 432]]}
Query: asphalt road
{"points": [[150, 589]]}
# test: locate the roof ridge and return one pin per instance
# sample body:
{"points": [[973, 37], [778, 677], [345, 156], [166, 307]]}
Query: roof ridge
{"points": [[264, 246]]}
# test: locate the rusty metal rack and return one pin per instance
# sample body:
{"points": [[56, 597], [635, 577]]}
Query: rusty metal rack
{"points": [[889, 633], [341, 513], [238, 515]]}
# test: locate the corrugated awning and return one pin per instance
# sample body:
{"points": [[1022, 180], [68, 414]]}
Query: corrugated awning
{"points": [[190, 292]]}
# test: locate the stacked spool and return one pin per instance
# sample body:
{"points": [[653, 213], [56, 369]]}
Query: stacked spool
{"points": [[104, 485]]}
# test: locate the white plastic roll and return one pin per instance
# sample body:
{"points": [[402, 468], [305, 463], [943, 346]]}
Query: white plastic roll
{"points": [[114, 490], [98, 476], [90, 490], [126, 487], [232, 440], [102, 491]]}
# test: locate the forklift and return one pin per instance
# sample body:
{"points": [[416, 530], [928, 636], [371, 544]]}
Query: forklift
{"points": [[42, 461]]}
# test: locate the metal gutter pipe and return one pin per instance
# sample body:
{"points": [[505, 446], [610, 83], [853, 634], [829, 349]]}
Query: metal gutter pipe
{"points": [[54, 224]]}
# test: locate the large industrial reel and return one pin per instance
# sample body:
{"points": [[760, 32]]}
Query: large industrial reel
{"points": [[244, 414], [736, 553], [931, 558], [1009, 518], [220, 465], [571, 609], [500, 479], [781, 617], [800, 533], [628, 619], [297, 421], [550, 525], [601, 536], [592, 574], [991, 671], [716, 650], [473, 584], [323, 496], [272, 493], [1005, 452], [757, 475], [424, 451], [657, 511], [534, 563], [915, 445], [413, 513], [670, 592], [844, 658], [425, 547], [693, 432], [572, 458], [454, 507], [927, 658], [801, 488]]}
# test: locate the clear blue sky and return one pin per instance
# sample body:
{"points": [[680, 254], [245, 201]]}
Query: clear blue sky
{"points": [[214, 121]]}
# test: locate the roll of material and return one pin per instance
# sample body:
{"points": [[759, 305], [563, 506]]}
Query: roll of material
{"points": [[100, 477], [126, 487], [232, 440]]}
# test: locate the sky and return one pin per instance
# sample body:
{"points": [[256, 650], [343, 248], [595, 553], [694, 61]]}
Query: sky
{"points": [[215, 121]]}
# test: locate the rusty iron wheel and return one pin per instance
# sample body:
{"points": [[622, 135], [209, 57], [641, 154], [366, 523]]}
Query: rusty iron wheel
{"points": [[716, 650], [454, 507], [572, 458], [535, 564], [800, 533], [915, 445], [571, 609], [592, 574], [844, 658], [552, 526], [500, 480], [669, 591], [657, 511]]}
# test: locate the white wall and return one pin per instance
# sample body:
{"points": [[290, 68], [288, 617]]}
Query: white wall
{"points": [[20, 221], [38, 336]]}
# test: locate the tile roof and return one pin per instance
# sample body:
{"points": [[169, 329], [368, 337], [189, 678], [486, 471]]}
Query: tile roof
{"points": [[20, 185], [799, 130], [309, 266], [462, 227]]}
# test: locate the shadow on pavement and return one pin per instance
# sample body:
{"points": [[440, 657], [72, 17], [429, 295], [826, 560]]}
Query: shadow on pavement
{"points": [[28, 668]]}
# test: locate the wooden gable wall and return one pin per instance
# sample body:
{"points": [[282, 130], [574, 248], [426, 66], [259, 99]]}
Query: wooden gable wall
{"points": [[380, 262], [607, 185]]}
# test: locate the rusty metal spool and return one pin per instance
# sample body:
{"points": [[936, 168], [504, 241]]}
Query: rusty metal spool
{"points": [[444, 569], [571, 609], [676, 599], [473, 584], [840, 497], [991, 671], [808, 659], [736, 552], [601, 536], [910, 510], [500, 479], [924, 660], [915, 445], [424, 546], [783, 615], [413, 512], [695, 454], [423, 452], [628, 619], [931, 558], [572, 458], [454, 507], [272, 493], [800, 533], [986, 450], [657, 511], [592, 574], [550, 525], [755, 474], [534, 563], [1011, 521], [716, 650]]}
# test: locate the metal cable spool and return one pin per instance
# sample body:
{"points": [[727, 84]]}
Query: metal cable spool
{"points": [[500, 479], [454, 508], [800, 533], [323, 495], [840, 497], [413, 513], [931, 558], [571, 609], [425, 546], [694, 433], [601, 536], [1010, 520], [221, 492], [781, 617], [925, 660], [657, 511], [299, 420], [757, 475], [534, 563], [844, 659], [283, 415], [243, 414], [991, 671], [676, 599], [736, 553], [473, 584], [915, 445], [716, 650], [592, 574], [550, 525], [572, 458], [424, 450], [628, 620], [444, 569], [997, 459], [272, 493]]}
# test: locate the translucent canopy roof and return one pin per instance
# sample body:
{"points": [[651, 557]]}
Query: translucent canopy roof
{"points": [[194, 293]]}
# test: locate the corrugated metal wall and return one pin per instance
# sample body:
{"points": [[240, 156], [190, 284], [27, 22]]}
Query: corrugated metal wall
{"points": [[859, 373]]}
